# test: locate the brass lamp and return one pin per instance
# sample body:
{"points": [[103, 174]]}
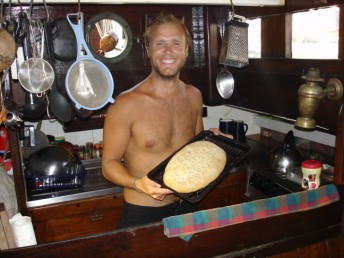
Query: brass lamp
{"points": [[310, 94]]}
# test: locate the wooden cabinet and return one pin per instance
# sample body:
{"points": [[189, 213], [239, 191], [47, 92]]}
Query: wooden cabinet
{"points": [[100, 214], [76, 218], [231, 190]]}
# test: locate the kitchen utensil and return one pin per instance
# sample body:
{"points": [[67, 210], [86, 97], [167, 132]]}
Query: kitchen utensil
{"points": [[234, 49], [35, 75], [89, 82], [40, 141], [225, 83], [286, 156], [9, 114], [57, 102], [34, 108], [64, 40], [235, 151], [53, 160]]}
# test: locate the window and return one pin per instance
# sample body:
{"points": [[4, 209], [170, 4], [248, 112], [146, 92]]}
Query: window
{"points": [[254, 41], [315, 34]]}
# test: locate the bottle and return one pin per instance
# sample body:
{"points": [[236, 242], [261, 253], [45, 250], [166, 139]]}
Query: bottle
{"points": [[96, 152], [81, 152], [59, 139], [89, 150]]}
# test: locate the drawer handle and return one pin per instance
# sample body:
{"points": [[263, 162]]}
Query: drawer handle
{"points": [[96, 217]]}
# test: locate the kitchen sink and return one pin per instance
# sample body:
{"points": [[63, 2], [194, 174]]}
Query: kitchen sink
{"points": [[94, 185]]}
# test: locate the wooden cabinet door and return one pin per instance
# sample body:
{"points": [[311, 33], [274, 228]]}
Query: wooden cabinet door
{"points": [[229, 191], [76, 218]]}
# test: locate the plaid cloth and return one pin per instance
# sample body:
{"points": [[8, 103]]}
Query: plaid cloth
{"points": [[186, 225]]}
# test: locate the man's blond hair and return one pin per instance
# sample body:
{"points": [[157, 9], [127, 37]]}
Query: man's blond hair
{"points": [[165, 19]]}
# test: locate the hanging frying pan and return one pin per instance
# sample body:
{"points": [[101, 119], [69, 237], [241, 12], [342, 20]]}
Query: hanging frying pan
{"points": [[89, 83], [64, 40]]}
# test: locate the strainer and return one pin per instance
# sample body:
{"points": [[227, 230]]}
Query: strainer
{"points": [[35, 75], [89, 83]]}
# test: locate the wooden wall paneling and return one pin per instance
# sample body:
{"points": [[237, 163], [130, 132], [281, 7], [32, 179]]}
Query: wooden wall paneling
{"points": [[341, 33], [273, 27], [339, 156]]}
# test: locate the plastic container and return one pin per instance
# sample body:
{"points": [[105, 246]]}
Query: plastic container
{"points": [[311, 170]]}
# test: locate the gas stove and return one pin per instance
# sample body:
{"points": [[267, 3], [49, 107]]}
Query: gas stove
{"points": [[264, 182]]}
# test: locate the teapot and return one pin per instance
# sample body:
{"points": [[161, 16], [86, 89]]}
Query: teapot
{"points": [[286, 156]]}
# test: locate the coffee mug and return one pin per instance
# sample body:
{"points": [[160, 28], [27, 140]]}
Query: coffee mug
{"points": [[237, 128], [240, 129], [226, 126]]}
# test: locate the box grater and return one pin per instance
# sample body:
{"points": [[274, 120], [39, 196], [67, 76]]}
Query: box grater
{"points": [[234, 49]]}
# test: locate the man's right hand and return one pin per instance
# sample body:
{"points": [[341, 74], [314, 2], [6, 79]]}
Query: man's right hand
{"points": [[152, 188]]}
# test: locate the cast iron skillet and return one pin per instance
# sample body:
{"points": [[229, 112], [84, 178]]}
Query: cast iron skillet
{"points": [[64, 40]]}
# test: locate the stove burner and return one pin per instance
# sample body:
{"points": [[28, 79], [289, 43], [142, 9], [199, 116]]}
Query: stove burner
{"points": [[267, 186], [265, 183]]}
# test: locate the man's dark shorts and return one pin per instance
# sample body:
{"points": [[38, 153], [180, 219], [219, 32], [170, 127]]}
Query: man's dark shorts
{"points": [[135, 215]]}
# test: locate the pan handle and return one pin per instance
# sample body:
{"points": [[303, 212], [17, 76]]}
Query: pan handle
{"points": [[78, 29]]}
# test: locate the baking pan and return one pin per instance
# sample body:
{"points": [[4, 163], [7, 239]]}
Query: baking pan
{"points": [[235, 152]]}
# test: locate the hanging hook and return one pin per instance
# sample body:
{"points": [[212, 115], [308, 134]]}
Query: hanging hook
{"points": [[46, 10], [79, 10], [20, 5], [30, 10], [232, 8]]}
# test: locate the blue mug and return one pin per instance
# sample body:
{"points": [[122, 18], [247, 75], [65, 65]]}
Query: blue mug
{"points": [[237, 128], [226, 126], [240, 129]]}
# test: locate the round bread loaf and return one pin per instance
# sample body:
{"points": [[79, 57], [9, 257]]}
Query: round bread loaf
{"points": [[194, 166]]}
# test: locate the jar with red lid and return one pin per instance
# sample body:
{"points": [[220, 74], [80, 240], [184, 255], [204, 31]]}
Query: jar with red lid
{"points": [[311, 170]]}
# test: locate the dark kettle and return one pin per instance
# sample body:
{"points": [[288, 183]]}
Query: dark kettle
{"points": [[286, 156]]}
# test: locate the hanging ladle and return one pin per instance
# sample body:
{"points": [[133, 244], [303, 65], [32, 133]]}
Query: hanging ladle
{"points": [[225, 83]]}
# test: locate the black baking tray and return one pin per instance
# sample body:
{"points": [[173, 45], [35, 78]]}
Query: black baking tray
{"points": [[235, 151]]}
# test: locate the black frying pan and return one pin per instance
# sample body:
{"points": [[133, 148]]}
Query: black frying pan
{"points": [[64, 41]]}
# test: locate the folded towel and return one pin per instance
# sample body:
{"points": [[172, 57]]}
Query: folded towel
{"points": [[186, 225]]}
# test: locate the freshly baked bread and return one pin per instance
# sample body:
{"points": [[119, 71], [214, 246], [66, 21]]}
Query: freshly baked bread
{"points": [[194, 166]]}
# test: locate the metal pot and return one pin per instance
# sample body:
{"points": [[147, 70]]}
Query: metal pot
{"points": [[287, 156]]}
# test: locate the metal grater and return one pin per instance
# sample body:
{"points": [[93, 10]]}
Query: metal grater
{"points": [[234, 50]]}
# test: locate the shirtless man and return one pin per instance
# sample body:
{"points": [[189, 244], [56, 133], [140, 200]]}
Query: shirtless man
{"points": [[150, 122]]}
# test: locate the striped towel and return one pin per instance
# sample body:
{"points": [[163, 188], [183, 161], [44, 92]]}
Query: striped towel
{"points": [[186, 225]]}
